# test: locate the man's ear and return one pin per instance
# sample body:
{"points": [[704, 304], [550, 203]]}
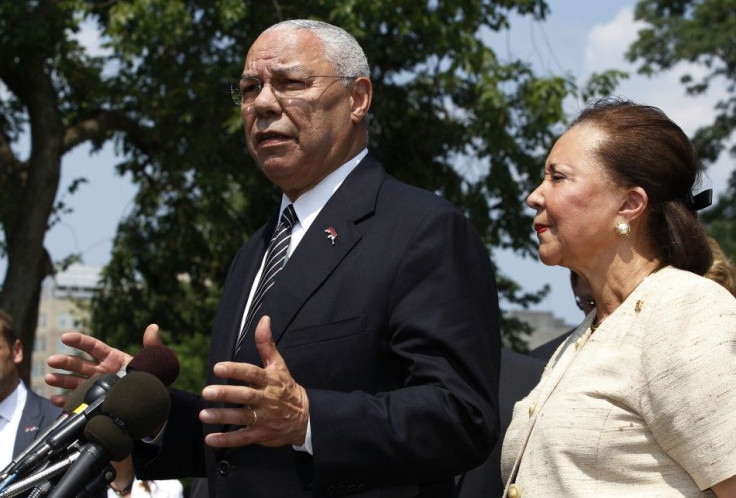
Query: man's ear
{"points": [[634, 204], [361, 96], [17, 351]]}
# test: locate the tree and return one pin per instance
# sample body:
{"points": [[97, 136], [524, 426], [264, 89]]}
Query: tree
{"points": [[438, 88], [161, 94], [700, 32], [55, 94]]}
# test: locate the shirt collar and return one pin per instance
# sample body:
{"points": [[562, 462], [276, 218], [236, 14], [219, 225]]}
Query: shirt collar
{"points": [[311, 202], [8, 405]]}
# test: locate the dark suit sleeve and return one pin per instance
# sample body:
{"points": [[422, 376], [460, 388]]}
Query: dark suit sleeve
{"points": [[181, 453], [519, 375], [441, 418]]}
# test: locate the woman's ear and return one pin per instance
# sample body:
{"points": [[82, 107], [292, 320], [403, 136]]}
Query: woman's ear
{"points": [[634, 204]]}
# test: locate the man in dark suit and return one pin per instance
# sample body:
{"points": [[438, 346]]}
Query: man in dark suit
{"points": [[23, 413], [519, 375], [356, 347]]}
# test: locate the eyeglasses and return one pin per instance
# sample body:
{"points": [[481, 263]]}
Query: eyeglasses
{"points": [[582, 303], [245, 90]]}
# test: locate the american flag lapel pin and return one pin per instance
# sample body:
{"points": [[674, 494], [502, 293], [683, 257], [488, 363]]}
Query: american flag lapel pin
{"points": [[331, 234]]}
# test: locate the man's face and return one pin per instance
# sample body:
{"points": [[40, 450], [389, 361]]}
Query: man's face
{"points": [[10, 357], [297, 141]]}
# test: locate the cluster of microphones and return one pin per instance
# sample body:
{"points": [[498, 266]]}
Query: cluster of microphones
{"points": [[101, 420]]}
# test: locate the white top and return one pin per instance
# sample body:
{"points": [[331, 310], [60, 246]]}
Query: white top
{"points": [[643, 407], [11, 411], [170, 488]]}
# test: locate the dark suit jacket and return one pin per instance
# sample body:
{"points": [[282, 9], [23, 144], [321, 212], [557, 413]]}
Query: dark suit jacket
{"points": [[519, 375], [393, 332], [38, 414]]}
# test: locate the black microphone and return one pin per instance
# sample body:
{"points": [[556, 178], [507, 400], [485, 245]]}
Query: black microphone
{"points": [[158, 360], [69, 431], [139, 403], [135, 406], [75, 399], [106, 441]]}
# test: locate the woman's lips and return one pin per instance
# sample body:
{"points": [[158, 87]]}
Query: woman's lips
{"points": [[540, 228]]}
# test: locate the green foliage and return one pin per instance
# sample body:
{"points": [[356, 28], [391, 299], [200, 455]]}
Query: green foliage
{"points": [[721, 220], [437, 87], [699, 32], [602, 84], [448, 116]]}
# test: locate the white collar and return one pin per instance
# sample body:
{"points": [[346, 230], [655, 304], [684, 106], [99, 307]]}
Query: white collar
{"points": [[311, 202], [9, 404]]}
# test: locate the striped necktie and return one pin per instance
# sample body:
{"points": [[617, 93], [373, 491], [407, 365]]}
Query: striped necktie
{"points": [[276, 256]]}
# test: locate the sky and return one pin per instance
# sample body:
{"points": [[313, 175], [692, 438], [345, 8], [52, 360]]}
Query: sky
{"points": [[578, 38]]}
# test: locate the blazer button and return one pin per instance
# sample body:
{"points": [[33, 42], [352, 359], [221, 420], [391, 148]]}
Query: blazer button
{"points": [[514, 491], [223, 467]]}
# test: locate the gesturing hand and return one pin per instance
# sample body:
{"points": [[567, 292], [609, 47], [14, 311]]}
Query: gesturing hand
{"points": [[275, 408], [105, 360]]}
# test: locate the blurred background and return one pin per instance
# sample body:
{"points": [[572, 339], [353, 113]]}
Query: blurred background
{"points": [[126, 185]]}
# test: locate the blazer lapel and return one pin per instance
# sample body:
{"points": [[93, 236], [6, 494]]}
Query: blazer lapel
{"points": [[316, 257], [240, 280], [29, 425]]}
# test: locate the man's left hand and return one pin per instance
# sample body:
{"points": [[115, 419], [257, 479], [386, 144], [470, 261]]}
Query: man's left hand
{"points": [[275, 408]]}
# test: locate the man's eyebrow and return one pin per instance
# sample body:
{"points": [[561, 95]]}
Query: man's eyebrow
{"points": [[281, 70]]}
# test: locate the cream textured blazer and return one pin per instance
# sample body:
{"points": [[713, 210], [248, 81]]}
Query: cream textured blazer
{"points": [[645, 406]]}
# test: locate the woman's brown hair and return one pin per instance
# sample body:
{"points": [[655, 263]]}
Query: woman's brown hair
{"points": [[644, 148]]}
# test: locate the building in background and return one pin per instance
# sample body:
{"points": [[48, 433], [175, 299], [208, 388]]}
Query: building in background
{"points": [[65, 298], [545, 326]]}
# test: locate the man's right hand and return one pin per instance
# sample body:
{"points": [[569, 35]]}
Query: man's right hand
{"points": [[105, 360]]}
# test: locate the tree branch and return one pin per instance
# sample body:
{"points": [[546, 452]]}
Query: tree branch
{"points": [[100, 126]]}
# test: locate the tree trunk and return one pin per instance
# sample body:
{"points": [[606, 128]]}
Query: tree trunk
{"points": [[28, 262]]}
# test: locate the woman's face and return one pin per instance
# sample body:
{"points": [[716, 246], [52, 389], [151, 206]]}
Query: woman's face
{"points": [[577, 202]]}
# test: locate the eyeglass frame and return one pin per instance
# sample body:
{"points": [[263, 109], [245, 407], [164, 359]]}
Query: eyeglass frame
{"points": [[237, 97]]}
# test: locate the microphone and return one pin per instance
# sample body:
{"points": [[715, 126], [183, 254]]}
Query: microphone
{"points": [[38, 477], [134, 407], [157, 360], [84, 403], [73, 401], [139, 403], [106, 441], [67, 432]]}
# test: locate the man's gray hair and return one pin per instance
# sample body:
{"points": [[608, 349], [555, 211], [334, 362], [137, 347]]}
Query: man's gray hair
{"points": [[340, 48]]}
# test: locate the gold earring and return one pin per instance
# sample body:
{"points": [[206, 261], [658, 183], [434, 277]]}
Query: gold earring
{"points": [[623, 229]]}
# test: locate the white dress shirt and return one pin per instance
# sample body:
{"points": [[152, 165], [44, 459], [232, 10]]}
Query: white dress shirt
{"points": [[307, 207], [11, 410]]}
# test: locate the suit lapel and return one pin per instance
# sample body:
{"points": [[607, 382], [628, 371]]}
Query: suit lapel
{"points": [[240, 280], [29, 425], [315, 258]]}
